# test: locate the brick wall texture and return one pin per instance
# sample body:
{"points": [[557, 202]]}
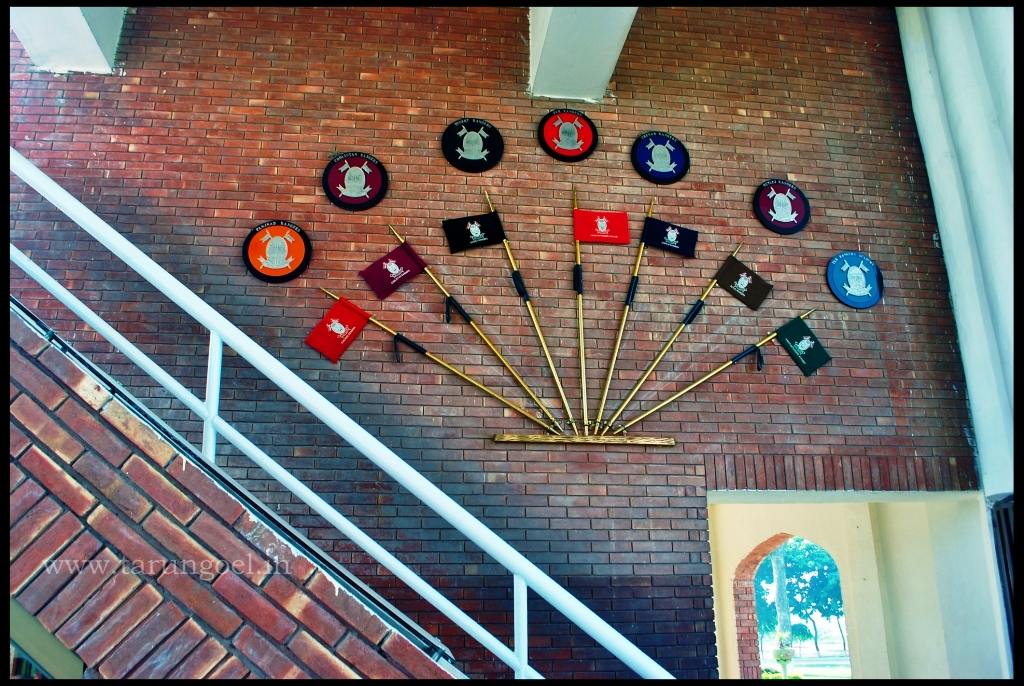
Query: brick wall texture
{"points": [[220, 119], [140, 564]]}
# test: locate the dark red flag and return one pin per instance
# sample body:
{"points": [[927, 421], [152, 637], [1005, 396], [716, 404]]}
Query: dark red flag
{"points": [[589, 226], [339, 328], [389, 272]]}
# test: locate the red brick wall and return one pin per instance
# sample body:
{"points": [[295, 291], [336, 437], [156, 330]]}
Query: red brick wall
{"points": [[222, 119], [136, 561]]}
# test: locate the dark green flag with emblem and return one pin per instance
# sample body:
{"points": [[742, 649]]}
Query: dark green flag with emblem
{"points": [[803, 346]]}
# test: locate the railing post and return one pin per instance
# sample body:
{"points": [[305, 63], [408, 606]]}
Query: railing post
{"points": [[519, 624], [212, 396]]}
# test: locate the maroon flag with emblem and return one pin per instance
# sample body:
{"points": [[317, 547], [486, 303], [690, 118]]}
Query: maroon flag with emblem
{"points": [[389, 272], [339, 328], [589, 226]]}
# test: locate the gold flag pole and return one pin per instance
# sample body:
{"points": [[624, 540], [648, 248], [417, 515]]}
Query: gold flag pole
{"points": [[578, 285], [485, 339], [721, 368], [664, 349], [635, 279], [536, 325], [465, 377]]}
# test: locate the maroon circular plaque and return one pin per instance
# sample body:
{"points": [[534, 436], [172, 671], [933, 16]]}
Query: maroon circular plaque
{"points": [[355, 181]]}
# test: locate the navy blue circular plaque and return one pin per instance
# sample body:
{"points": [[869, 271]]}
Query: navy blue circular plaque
{"points": [[855, 279], [781, 206], [660, 157], [472, 145]]}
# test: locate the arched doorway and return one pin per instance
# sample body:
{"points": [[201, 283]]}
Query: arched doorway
{"points": [[811, 610]]}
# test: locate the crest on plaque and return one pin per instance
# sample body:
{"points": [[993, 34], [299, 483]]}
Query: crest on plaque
{"points": [[355, 181], [854, 279], [472, 145], [781, 206], [276, 251], [660, 157], [567, 135]]}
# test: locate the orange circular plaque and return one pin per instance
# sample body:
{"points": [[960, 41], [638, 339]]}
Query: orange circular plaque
{"points": [[276, 251]]}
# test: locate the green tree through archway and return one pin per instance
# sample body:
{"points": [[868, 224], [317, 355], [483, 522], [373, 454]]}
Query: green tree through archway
{"points": [[813, 593]]}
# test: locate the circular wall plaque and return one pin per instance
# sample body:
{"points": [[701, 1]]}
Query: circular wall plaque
{"points": [[781, 206], [659, 157], [855, 279], [567, 135], [276, 251], [472, 145], [355, 181]]}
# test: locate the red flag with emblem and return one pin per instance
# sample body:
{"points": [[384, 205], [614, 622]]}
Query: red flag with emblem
{"points": [[339, 328], [589, 226]]}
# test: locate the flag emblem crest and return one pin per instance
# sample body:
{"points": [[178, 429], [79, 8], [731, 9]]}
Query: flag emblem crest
{"points": [[276, 251], [355, 181], [339, 329], [660, 157], [567, 135], [782, 207], [601, 223], [475, 234], [395, 270], [472, 145], [742, 283], [854, 279]]}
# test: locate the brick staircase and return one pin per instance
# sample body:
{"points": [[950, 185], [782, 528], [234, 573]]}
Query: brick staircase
{"points": [[143, 566]]}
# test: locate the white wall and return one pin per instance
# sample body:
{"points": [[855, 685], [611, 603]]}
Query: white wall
{"points": [[917, 573]]}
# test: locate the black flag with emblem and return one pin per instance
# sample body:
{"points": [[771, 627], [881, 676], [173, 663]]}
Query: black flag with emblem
{"points": [[803, 346], [476, 231], [743, 282], [661, 234]]}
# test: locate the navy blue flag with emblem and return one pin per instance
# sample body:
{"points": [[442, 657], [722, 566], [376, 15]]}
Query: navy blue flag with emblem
{"points": [[803, 346], [661, 234], [476, 231], [743, 282]]}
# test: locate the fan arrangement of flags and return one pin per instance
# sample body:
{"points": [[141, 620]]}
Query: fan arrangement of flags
{"points": [[340, 327]]}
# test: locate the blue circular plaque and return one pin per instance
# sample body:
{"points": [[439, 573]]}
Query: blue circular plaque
{"points": [[855, 279], [660, 157]]}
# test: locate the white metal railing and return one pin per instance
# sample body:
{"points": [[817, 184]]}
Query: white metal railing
{"points": [[525, 575]]}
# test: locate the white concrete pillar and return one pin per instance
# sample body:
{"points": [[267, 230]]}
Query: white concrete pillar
{"points": [[63, 39], [573, 50], [970, 170]]}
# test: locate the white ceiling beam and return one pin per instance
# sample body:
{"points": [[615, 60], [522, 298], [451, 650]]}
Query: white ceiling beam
{"points": [[64, 39], [573, 50]]}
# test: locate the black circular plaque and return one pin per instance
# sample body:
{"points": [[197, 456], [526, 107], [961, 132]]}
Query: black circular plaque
{"points": [[567, 135], [472, 145], [659, 157], [276, 251], [355, 181], [781, 206]]}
